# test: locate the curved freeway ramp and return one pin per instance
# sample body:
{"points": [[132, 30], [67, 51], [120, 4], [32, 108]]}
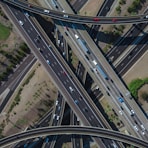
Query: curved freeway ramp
{"points": [[91, 131]]}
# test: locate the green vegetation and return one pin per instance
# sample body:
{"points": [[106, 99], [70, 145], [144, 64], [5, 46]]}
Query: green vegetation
{"points": [[4, 32], [29, 78], [24, 48], [135, 85], [134, 7], [118, 9], [14, 59], [16, 100], [122, 2]]}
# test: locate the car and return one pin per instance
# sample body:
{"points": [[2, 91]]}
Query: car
{"points": [[143, 128], [108, 88], [26, 14], [76, 101], [59, 107], [120, 112], [85, 109], [142, 132], [54, 116], [71, 89], [62, 44], [135, 127], [37, 40], [29, 5], [21, 23], [47, 61], [132, 111], [41, 51], [146, 16], [64, 73], [114, 20], [107, 93], [120, 100], [65, 15], [96, 19], [58, 117], [46, 11], [57, 102], [66, 33], [38, 37]]}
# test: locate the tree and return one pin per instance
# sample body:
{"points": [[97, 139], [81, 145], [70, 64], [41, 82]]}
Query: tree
{"points": [[122, 2], [118, 9]]}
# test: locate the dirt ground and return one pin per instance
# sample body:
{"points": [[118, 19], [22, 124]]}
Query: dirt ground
{"points": [[91, 7], [34, 99], [11, 43], [139, 70]]}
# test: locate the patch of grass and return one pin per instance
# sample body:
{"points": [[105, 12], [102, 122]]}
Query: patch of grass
{"points": [[21, 122], [135, 85], [75, 60], [4, 32]]}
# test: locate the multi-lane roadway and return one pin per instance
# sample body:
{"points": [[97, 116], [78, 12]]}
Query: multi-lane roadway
{"points": [[115, 90], [77, 18], [50, 61], [92, 131], [57, 71]]}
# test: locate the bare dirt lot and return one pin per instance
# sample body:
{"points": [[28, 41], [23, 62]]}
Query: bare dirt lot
{"points": [[91, 7], [35, 99]]}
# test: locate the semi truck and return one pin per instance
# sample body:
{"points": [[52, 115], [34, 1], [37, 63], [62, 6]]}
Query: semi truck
{"points": [[100, 70], [124, 106], [82, 44]]}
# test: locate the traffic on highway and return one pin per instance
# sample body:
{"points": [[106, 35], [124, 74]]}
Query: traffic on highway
{"points": [[96, 64], [76, 18]]}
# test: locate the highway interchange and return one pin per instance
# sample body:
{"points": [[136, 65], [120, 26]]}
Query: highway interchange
{"points": [[58, 68], [77, 29], [61, 73]]}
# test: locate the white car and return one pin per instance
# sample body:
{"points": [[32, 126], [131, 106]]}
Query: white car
{"points": [[54, 116], [71, 89], [47, 61], [120, 112], [132, 112], [135, 127], [21, 23], [143, 128], [146, 16], [58, 117], [46, 11], [57, 102]]}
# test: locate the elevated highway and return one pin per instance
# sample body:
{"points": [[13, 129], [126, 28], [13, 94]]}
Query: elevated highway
{"points": [[114, 86], [77, 18], [60, 73], [91, 131]]}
